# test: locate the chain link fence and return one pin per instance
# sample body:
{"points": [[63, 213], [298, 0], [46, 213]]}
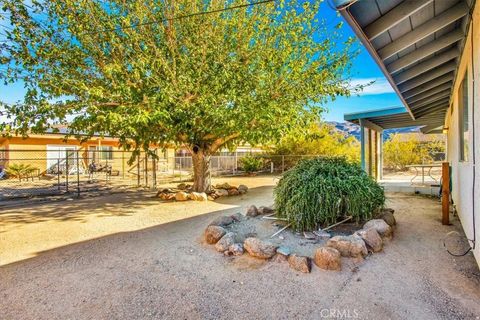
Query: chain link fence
{"points": [[34, 173]]}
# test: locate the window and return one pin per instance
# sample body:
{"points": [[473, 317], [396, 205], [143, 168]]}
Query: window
{"points": [[463, 119], [106, 153]]}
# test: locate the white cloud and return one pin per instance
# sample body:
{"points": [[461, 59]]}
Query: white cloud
{"points": [[379, 86]]}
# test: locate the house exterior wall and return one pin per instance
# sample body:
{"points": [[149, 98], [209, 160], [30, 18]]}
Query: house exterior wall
{"points": [[467, 198]]}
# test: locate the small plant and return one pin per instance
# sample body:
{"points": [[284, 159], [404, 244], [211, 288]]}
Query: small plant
{"points": [[318, 192], [251, 163], [20, 170]]}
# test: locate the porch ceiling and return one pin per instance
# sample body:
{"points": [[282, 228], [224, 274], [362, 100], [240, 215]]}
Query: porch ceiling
{"points": [[396, 117], [417, 44]]}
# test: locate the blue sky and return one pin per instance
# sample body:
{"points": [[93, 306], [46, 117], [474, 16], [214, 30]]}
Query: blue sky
{"points": [[376, 96]]}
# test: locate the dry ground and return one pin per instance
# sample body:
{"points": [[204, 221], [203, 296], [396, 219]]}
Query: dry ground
{"points": [[128, 256]]}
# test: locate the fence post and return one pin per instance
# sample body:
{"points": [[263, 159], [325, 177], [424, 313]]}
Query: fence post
{"points": [[283, 163], [138, 171], [123, 164], [146, 169], [58, 173], [154, 160], [445, 193], [66, 171], [78, 175]]}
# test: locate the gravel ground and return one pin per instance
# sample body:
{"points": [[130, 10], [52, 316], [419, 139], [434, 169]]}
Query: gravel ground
{"points": [[129, 256]]}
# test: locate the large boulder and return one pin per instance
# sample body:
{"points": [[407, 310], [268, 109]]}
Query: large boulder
{"points": [[259, 249], [327, 258], [225, 242], [222, 221], [299, 263], [225, 186], [214, 233], [348, 246], [242, 189], [252, 211], [383, 229], [371, 238], [199, 196], [181, 196]]}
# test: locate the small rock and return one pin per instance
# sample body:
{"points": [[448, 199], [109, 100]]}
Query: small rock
{"points": [[284, 250], [198, 196], [392, 211], [233, 192], [235, 249], [238, 216], [388, 218], [222, 221], [221, 192], [322, 234], [371, 238], [281, 237], [182, 186], [265, 210], [181, 196], [214, 233], [279, 258], [327, 258], [349, 246], [309, 236], [225, 242], [242, 188], [299, 263], [259, 249], [167, 196], [225, 186], [210, 198], [252, 211], [383, 229]]}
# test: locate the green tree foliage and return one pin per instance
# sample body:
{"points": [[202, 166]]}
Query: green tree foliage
{"points": [[318, 139], [152, 72], [401, 150], [318, 192]]}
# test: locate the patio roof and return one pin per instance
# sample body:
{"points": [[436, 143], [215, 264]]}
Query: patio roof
{"points": [[396, 117], [417, 44]]}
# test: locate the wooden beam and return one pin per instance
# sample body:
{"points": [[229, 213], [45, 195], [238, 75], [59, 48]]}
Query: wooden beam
{"points": [[371, 125], [428, 93], [431, 111], [431, 99], [434, 104], [394, 17], [445, 193], [426, 66], [430, 75], [424, 30], [429, 85], [425, 50]]}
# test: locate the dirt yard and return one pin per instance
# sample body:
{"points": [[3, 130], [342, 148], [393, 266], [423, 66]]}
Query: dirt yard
{"points": [[129, 256]]}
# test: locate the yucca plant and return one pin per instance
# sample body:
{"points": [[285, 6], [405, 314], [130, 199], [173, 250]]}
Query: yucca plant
{"points": [[320, 191]]}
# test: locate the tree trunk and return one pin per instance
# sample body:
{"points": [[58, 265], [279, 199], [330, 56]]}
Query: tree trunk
{"points": [[201, 170]]}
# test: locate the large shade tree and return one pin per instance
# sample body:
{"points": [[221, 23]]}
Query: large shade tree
{"points": [[204, 74]]}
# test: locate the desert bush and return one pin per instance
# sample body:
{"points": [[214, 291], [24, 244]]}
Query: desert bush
{"points": [[20, 170], [401, 150], [251, 163], [320, 191]]}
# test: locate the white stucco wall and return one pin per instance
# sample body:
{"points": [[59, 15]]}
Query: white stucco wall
{"points": [[462, 172]]}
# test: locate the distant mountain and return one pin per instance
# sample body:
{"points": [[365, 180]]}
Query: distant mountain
{"points": [[354, 130]]}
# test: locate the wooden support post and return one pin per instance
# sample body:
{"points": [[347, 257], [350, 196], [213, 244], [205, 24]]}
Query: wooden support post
{"points": [[445, 193]]}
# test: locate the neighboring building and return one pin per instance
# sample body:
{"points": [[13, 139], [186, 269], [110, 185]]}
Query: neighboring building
{"points": [[429, 51], [49, 153]]}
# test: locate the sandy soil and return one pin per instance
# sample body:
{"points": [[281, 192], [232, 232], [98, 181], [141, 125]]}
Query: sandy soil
{"points": [[129, 256]]}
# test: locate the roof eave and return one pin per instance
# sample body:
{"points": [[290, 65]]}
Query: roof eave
{"points": [[373, 53]]}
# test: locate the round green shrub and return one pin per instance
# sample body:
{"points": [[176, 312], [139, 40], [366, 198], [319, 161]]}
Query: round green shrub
{"points": [[320, 191]]}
